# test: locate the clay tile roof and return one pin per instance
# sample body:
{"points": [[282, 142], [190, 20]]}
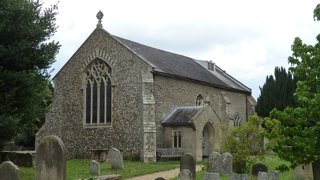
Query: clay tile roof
{"points": [[171, 64], [181, 116]]}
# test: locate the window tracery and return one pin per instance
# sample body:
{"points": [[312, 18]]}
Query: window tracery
{"points": [[98, 93]]}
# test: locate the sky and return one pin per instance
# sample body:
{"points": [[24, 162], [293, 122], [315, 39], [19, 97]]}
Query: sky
{"points": [[246, 38]]}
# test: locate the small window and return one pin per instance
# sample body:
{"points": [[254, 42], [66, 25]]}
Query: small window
{"points": [[237, 120], [199, 100], [177, 139]]}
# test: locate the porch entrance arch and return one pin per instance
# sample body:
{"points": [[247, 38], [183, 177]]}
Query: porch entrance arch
{"points": [[207, 139]]}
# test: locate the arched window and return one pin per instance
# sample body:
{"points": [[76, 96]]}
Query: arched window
{"points": [[98, 93], [237, 120], [199, 100]]}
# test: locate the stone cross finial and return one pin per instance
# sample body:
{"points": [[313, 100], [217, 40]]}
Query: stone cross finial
{"points": [[99, 17]]}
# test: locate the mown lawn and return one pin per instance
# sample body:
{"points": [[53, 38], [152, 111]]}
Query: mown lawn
{"points": [[79, 168]]}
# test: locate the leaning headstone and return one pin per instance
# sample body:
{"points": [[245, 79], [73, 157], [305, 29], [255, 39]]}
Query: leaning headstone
{"points": [[226, 163], [273, 175], [187, 162], [9, 171], [262, 176], [115, 159], [211, 176], [185, 174], [94, 167], [235, 176], [50, 159], [215, 162], [259, 167]]}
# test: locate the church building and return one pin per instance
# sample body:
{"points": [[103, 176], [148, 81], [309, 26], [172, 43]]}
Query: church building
{"points": [[116, 93]]}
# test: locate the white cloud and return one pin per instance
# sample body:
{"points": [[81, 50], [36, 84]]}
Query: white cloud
{"points": [[247, 38]]}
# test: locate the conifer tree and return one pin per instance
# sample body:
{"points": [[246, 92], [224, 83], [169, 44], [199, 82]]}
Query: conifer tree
{"points": [[277, 92], [26, 53]]}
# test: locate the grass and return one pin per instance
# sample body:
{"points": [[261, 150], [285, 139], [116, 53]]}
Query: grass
{"points": [[270, 161], [79, 168]]}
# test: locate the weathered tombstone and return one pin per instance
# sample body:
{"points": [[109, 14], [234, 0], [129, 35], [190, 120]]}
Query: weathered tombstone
{"points": [[187, 162], [303, 172], [262, 176], [94, 167], [259, 167], [115, 159], [235, 176], [226, 163], [273, 175], [9, 171], [50, 159], [211, 176], [215, 162], [185, 174]]}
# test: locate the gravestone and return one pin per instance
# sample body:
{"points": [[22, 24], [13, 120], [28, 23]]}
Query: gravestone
{"points": [[159, 178], [211, 176], [115, 159], [226, 163], [259, 167], [262, 176], [187, 162], [273, 175], [9, 171], [235, 176], [303, 172], [215, 162], [94, 167], [50, 159], [185, 174]]}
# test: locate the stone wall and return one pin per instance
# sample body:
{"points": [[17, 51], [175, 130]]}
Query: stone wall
{"points": [[65, 118], [171, 92]]}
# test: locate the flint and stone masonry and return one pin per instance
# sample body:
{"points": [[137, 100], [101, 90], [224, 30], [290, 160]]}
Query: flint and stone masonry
{"points": [[144, 86]]}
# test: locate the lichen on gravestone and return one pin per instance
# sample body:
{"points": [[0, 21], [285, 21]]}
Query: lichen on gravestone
{"points": [[187, 162], [9, 171], [115, 159], [50, 159]]}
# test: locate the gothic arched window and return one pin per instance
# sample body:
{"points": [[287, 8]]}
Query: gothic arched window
{"points": [[199, 100], [98, 93], [237, 120]]}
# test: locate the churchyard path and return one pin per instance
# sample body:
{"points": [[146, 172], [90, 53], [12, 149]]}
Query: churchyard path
{"points": [[165, 174]]}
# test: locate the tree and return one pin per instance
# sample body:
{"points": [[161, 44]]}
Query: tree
{"points": [[277, 92], [26, 53], [296, 130], [245, 142]]}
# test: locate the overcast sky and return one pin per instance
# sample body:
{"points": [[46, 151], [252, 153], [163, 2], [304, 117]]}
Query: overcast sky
{"points": [[247, 38]]}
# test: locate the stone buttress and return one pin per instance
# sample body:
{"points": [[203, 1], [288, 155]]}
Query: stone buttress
{"points": [[149, 125]]}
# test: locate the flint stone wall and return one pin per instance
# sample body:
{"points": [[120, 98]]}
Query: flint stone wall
{"points": [[65, 117], [127, 132], [170, 93]]}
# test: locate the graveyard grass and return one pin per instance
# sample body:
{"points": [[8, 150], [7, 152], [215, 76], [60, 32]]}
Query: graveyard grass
{"points": [[79, 168], [271, 161]]}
